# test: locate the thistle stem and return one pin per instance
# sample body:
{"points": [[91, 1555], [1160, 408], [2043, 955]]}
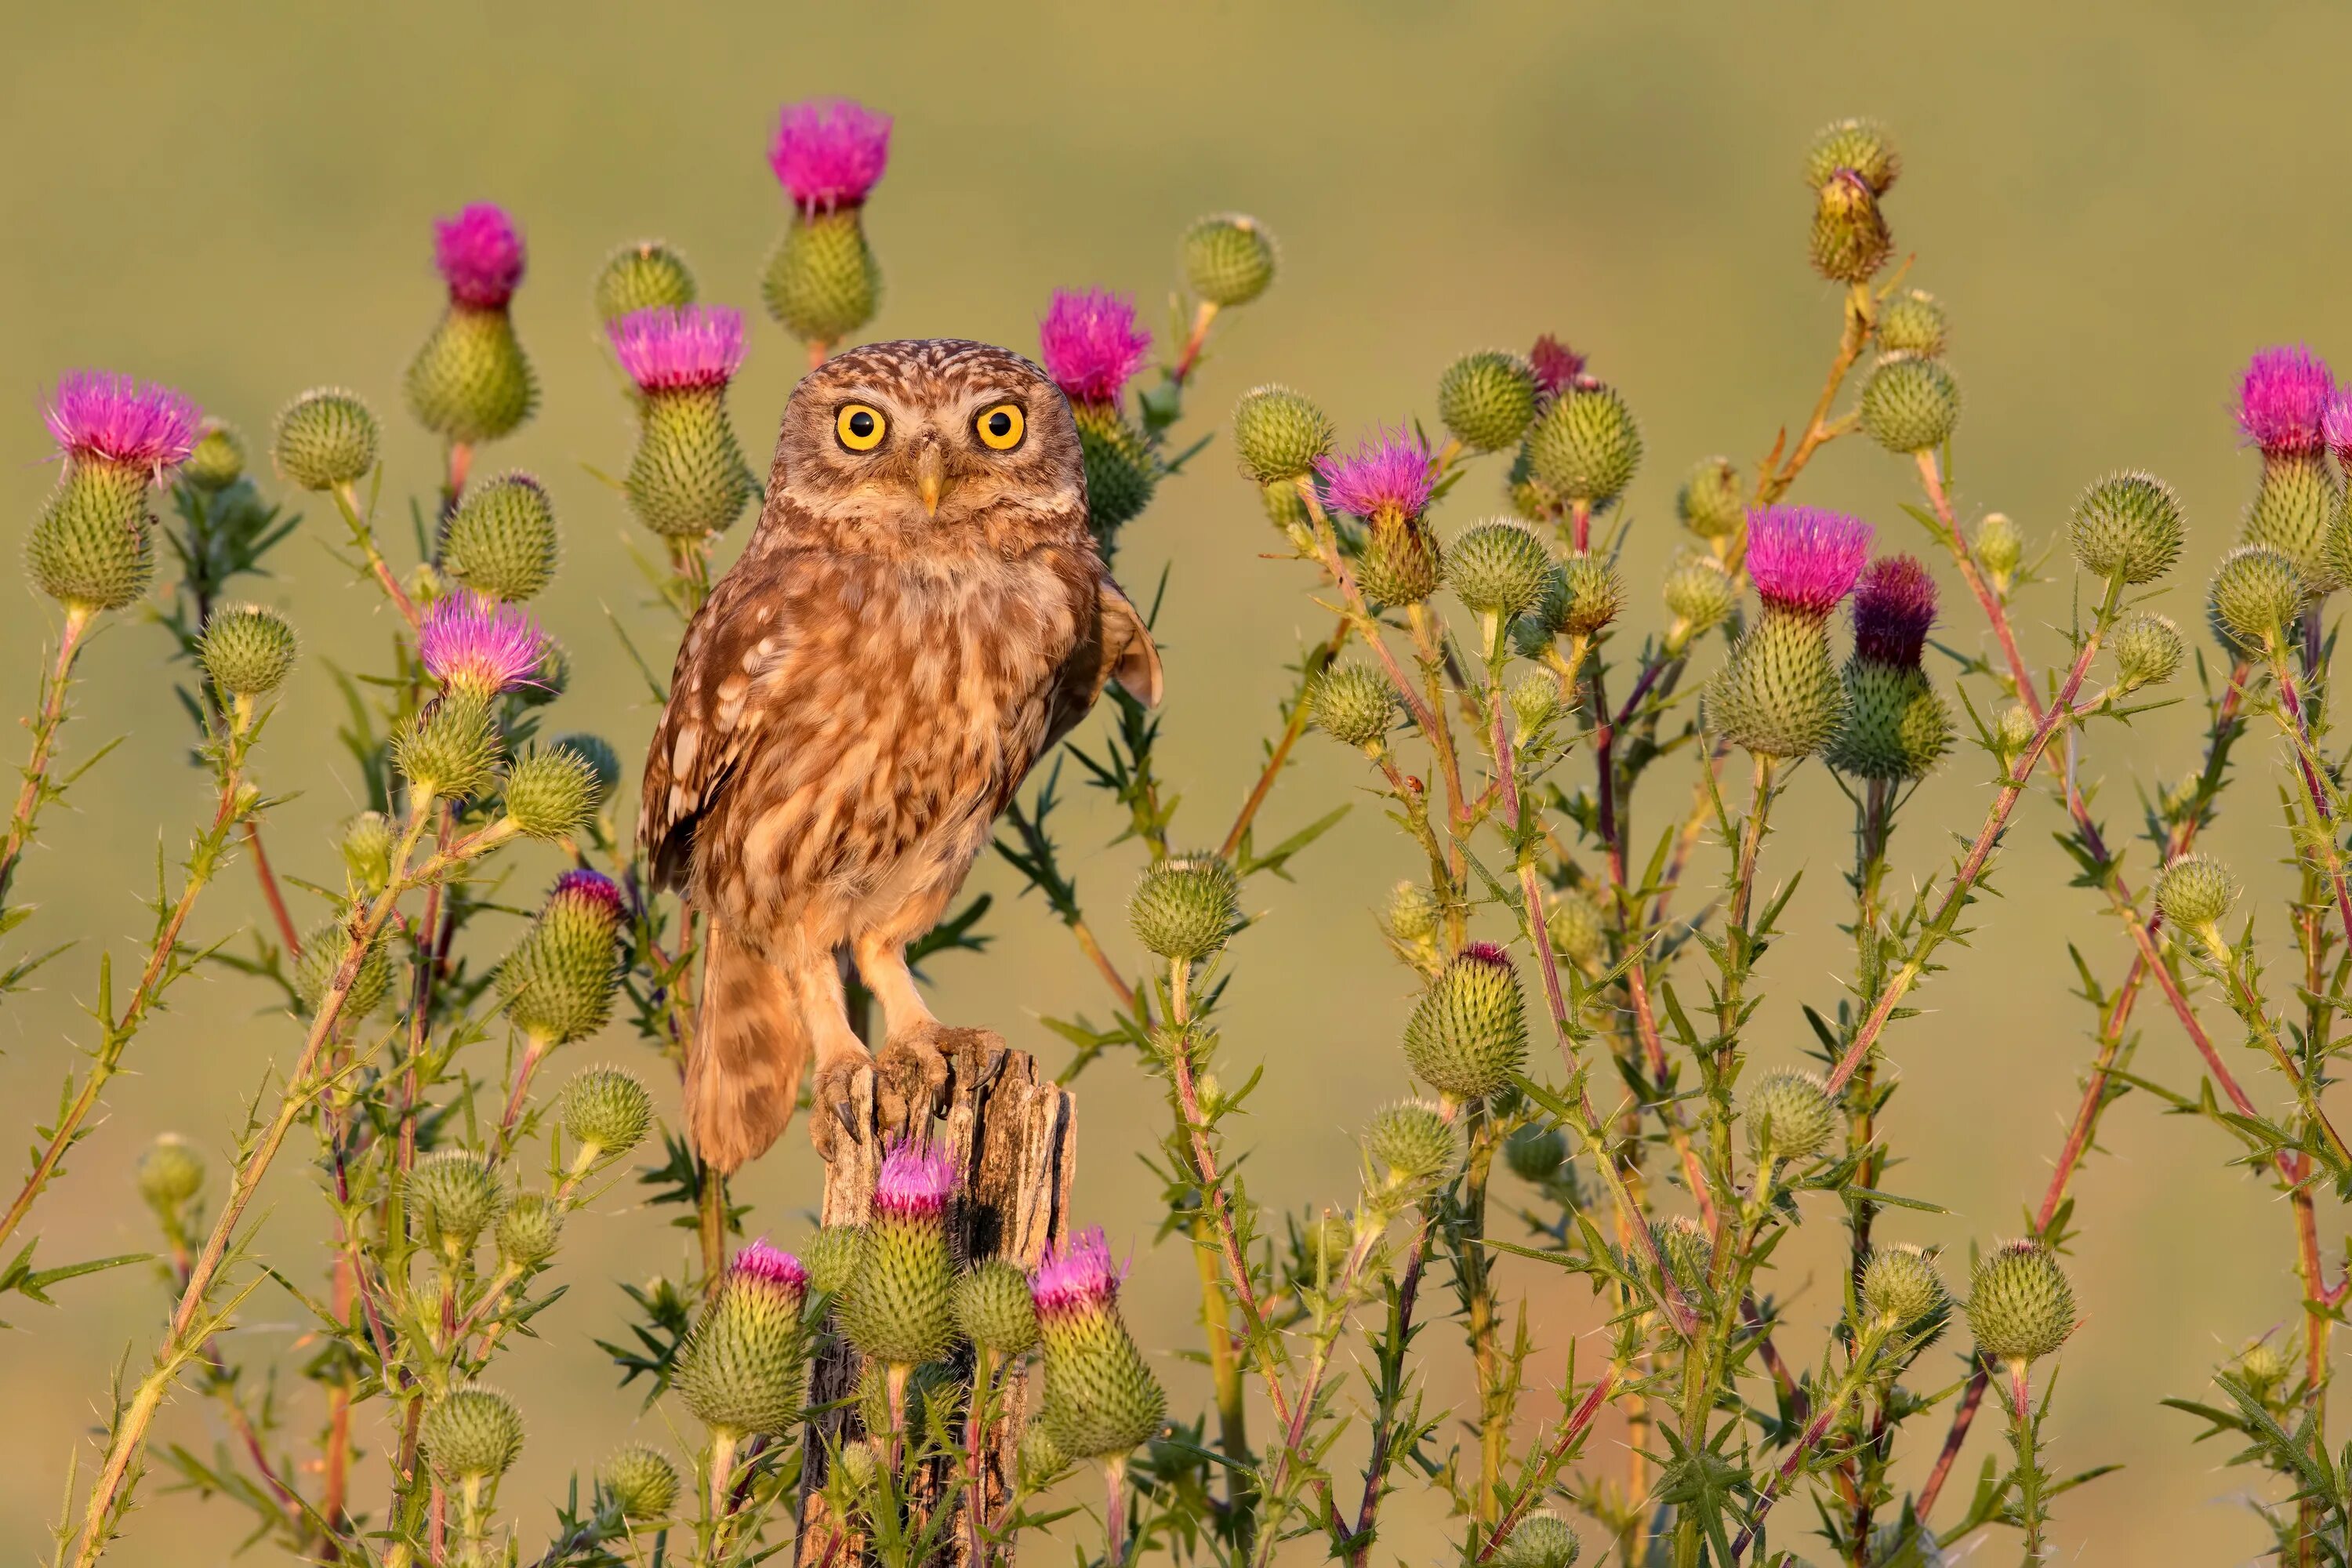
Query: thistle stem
{"points": [[35, 790]]}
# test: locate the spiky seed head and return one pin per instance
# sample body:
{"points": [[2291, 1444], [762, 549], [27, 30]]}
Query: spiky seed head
{"points": [[2256, 595], [860, 1470], [2148, 650], [607, 1110], [646, 276], [1229, 259], [1041, 1460], [1100, 1398], [1401, 563], [248, 650], [2020, 1306], [1850, 239], [1910, 403], [2128, 525], [1999, 546], [2195, 892], [1586, 446], [901, 1306], [740, 1371], [1578, 930], [1543, 1540], [1487, 399], [551, 794], [836, 1253], [688, 478], [1534, 700], [1913, 322], [1595, 596], [1778, 696], [1710, 502], [1414, 1145], [1897, 725], [1353, 704], [530, 1230], [217, 459], [1536, 1151], [822, 281], [471, 1434], [1900, 1285], [1497, 568], [1863, 147], [992, 1309], [1688, 1249], [93, 547], [170, 1173], [556, 981], [1699, 595], [470, 382], [2296, 509], [323, 952], [641, 1481], [1790, 1113], [325, 438], [1122, 469], [501, 541], [1469, 1032], [1186, 906], [449, 748], [457, 1193], [1279, 434]]}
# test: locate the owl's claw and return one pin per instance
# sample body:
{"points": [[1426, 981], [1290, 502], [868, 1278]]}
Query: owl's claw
{"points": [[832, 1110], [910, 1078]]}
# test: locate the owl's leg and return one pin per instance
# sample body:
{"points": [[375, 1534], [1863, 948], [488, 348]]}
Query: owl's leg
{"points": [[816, 980], [910, 1077]]}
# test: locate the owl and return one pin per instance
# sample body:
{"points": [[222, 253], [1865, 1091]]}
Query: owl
{"points": [[920, 616]]}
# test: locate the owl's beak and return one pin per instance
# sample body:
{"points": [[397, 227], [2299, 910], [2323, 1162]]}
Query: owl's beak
{"points": [[930, 477]]}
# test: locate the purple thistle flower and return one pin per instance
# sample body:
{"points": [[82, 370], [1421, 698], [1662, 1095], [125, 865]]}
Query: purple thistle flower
{"points": [[1091, 344], [1488, 954], [481, 254], [666, 349], [1390, 476], [590, 888], [769, 1267], [1894, 605], [2335, 423], [829, 151], [477, 643], [914, 1182], [1557, 367], [2283, 399], [1079, 1278], [113, 417], [1804, 558]]}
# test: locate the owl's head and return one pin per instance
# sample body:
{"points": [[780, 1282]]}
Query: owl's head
{"points": [[933, 439]]}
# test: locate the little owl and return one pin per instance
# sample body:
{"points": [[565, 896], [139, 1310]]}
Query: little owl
{"points": [[920, 615]]}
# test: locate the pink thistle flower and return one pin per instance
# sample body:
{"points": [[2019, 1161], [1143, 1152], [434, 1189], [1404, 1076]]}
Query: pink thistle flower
{"points": [[1487, 953], [592, 889], [1557, 367], [1080, 1278], [1894, 605], [2283, 399], [767, 1268], [477, 643], [1805, 559], [2335, 423], [481, 254], [1390, 476], [829, 151], [914, 1184], [118, 420], [668, 350], [1091, 344]]}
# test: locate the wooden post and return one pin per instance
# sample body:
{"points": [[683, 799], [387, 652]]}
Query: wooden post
{"points": [[1011, 1132]]}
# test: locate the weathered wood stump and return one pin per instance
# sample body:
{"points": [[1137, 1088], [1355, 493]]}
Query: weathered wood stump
{"points": [[1012, 1133]]}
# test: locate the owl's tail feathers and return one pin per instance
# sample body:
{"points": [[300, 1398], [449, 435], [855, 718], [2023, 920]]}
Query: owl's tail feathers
{"points": [[743, 1068]]}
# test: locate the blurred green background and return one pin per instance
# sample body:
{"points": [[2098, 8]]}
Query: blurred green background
{"points": [[2117, 201]]}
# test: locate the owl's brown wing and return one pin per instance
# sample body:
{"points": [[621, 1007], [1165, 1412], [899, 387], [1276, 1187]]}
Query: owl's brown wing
{"points": [[1122, 651]]}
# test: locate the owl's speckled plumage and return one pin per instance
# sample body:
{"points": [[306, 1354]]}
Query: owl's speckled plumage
{"points": [[858, 698]]}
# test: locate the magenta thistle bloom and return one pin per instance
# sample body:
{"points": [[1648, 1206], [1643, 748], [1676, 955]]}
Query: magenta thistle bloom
{"points": [[2335, 423], [477, 643], [2283, 399], [1894, 605], [768, 1268], [1091, 344], [480, 253], [914, 1182], [113, 417], [666, 350], [1079, 1278], [1490, 954], [592, 889], [1803, 558], [829, 151], [1557, 367], [1390, 476]]}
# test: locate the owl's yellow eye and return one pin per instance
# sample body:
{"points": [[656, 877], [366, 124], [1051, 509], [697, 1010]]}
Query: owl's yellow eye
{"points": [[860, 427], [1000, 427]]}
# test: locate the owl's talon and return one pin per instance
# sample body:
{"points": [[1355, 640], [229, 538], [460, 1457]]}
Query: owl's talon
{"points": [[910, 1078], [833, 1104]]}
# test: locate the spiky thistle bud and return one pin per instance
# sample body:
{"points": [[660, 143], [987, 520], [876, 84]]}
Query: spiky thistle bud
{"points": [[1699, 595], [1901, 1287], [992, 1309], [217, 459], [1487, 399], [471, 1434], [646, 276], [1353, 703], [1100, 1398], [324, 438], [741, 1371], [2127, 525], [92, 548], [1592, 596], [1413, 912], [557, 983], [688, 478], [822, 281], [900, 1307], [171, 1174], [1186, 906], [323, 952], [501, 541], [2264, 1367], [1042, 1461], [1542, 1540], [1688, 1249], [456, 1195], [1229, 259], [641, 1483], [1861, 146], [1536, 1152], [2194, 893], [1577, 929], [1710, 503], [1414, 1146], [470, 382], [2257, 594], [1850, 239], [606, 1111], [551, 794], [449, 748], [1321, 1250], [2011, 734], [1279, 435], [603, 762], [1896, 726], [835, 1253], [1910, 403], [1913, 322], [1469, 1033], [1535, 701], [2020, 1306], [1790, 1114], [2148, 650], [1586, 446], [248, 650], [530, 1230], [1497, 568], [2000, 547]]}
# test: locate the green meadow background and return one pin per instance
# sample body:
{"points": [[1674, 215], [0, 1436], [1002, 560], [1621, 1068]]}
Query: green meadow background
{"points": [[2117, 202]]}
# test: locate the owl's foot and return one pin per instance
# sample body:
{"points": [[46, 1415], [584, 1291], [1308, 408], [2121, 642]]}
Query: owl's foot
{"points": [[834, 1113], [914, 1075]]}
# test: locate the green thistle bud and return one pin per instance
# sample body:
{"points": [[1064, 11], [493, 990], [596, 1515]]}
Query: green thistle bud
{"points": [[2012, 735], [1850, 239], [602, 760], [1536, 1152], [1400, 564], [1910, 403], [1100, 1397], [557, 983], [1287, 510], [470, 382], [1913, 322], [472, 1434], [1593, 595], [1469, 1032], [170, 1173], [1586, 446], [606, 1111], [1688, 1251], [1122, 471], [1901, 1287], [366, 844], [1710, 502], [1542, 1540], [1353, 704], [1228, 259], [1487, 399], [860, 1470], [2294, 511], [1535, 701], [688, 478], [1896, 726], [641, 277], [1186, 906], [835, 1253], [1413, 912], [217, 461], [2194, 893], [1279, 434], [551, 794], [641, 1481], [449, 749], [2148, 650], [1414, 1146], [2020, 1306], [1321, 1249], [992, 1309], [822, 281], [900, 1307], [501, 540], [325, 438], [2256, 596], [1578, 930], [93, 546], [1041, 1460], [323, 952], [1790, 1114], [2128, 525], [1497, 568], [1862, 145], [1998, 547], [1699, 595], [741, 1369], [1778, 695], [529, 1231], [249, 651], [456, 1194], [2264, 1367]]}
